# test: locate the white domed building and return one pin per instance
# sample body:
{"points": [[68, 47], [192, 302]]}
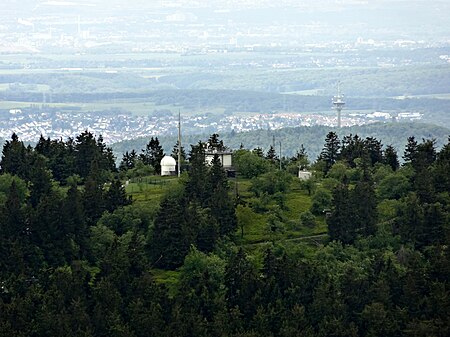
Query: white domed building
{"points": [[168, 166]]}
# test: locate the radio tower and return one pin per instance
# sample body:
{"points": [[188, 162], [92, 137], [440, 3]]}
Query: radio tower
{"points": [[338, 104]]}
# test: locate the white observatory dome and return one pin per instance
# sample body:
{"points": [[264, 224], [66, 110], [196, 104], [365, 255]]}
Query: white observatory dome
{"points": [[168, 165]]}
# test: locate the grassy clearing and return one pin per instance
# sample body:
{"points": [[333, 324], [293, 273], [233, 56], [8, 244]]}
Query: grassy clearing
{"points": [[168, 278], [259, 231], [149, 189]]}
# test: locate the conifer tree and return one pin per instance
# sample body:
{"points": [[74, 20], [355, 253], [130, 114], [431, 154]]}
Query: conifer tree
{"points": [[409, 156], [74, 219], [153, 154], [390, 158], [198, 187], [14, 159], [341, 225], [85, 150], [374, 149], [259, 152], [330, 152], [441, 169], [410, 219], [222, 208], [175, 152], [40, 179], [172, 234], [365, 208], [116, 196], [12, 217], [214, 143], [241, 284], [93, 196], [271, 155], [352, 148], [43, 146]]}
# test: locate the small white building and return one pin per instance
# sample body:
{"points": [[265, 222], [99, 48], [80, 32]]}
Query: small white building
{"points": [[304, 175], [224, 156], [168, 166]]}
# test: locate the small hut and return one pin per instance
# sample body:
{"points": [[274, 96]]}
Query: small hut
{"points": [[304, 175]]}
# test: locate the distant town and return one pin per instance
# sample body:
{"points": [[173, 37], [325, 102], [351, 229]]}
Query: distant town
{"points": [[114, 126]]}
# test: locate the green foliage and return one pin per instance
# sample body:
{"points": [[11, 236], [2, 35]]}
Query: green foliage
{"points": [[5, 184], [338, 171], [393, 186], [308, 219], [321, 200], [271, 183], [249, 164], [65, 272], [153, 154]]}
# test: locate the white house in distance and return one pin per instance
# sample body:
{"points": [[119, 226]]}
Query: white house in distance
{"points": [[224, 156], [304, 175], [168, 166]]}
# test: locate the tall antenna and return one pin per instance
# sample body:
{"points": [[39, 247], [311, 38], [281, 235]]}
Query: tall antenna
{"points": [[338, 103], [179, 143]]}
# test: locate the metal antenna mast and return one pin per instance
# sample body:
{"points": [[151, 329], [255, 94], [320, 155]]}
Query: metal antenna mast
{"points": [[338, 104], [179, 143]]}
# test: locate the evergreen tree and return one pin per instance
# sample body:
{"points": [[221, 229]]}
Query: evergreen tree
{"points": [[14, 159], [241, 284], [374, 148], [365, 208], [93, 196], [74, 220], [259, 152], [43, 146], [153, 154], [214, 144], [409, 156], [40, 179], [207, 227], [434, 231], [222, 207], [441, 169], [128, 161], [198, 187], [12, 216], [61, 161], [271, 155], [172, 234], [116, 196], [85, 150], [352, 148], [175, 153], [426, 153], [410, 220], [48, 230], [390, 158], [330, 152], [341, 221]]}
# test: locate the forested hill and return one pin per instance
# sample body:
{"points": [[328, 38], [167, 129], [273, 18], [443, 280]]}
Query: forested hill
{"points": [[291, 139]]}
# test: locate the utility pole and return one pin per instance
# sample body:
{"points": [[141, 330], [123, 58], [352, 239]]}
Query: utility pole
{"points": [[179, 143]]}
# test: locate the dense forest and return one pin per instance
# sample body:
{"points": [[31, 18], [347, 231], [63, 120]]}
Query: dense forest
{"points": [[80, 257], [395, 134]]}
